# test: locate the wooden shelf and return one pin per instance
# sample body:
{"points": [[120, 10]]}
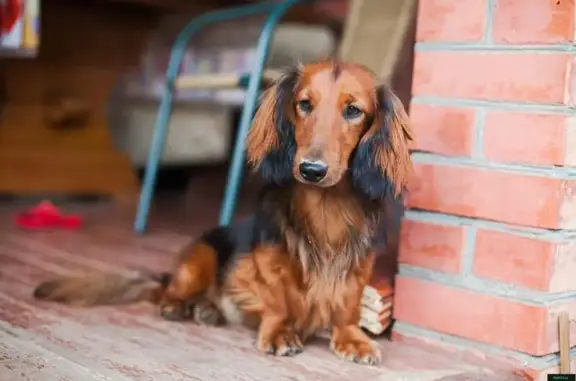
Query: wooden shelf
{"points": [[83, 50]]}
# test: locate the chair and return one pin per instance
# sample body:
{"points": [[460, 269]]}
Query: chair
{"points": [[374, 32]]}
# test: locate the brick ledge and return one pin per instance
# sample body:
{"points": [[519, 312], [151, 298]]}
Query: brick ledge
{"points": [[473, 352]]}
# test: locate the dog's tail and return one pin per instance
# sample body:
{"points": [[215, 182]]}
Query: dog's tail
{"points": [[199, 267], [102, 289]]}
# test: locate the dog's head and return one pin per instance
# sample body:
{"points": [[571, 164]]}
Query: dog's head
{"points": [[330, 121]]}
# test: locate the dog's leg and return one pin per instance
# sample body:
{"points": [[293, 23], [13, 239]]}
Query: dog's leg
{"points": [[276, 333], [277, 336], [348, 340], [187, 294], [264, 281]]}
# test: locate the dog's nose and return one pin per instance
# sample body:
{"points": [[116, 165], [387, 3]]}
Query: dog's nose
{"points": [[313, 171]]}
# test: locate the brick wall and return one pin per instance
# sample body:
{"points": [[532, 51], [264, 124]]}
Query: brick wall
{"points": [[488, 248]]}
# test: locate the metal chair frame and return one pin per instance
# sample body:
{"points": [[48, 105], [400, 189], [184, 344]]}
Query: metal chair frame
{"points": [[275, 10]]}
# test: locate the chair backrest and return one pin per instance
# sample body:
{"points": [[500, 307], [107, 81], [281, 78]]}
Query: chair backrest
{"points": [[374, 33]]}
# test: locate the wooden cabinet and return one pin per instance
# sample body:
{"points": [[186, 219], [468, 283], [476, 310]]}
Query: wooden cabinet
{"points": [[54, 135]]}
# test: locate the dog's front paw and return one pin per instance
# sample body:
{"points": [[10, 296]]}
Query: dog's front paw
{"points": [[356, 347], [284, 342]]}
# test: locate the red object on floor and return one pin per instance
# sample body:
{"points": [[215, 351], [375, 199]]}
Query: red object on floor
{"points": [[47, 215]]}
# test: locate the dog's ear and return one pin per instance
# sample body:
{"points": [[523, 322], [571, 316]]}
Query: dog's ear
{"points": [[381, 165], [270, 144]]}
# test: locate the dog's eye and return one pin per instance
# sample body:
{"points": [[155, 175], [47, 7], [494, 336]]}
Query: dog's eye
{"points": [[351, 112], [305, 106]]}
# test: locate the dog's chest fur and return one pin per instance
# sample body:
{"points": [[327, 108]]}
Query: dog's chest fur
{"points": [[328, 236], [316, 244]]}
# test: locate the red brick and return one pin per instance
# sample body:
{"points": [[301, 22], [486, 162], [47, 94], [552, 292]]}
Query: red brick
{"points": [[533, 21], [564, 267], [482, 317], [444, 130], [527, 138], [498, 359], [451, 20], [534, 263], [485, 318], [437, 247], [494, 195], [493, 76], [513, 259]]}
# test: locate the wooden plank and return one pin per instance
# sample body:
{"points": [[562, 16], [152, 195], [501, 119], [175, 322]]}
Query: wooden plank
{"points": [[220, 81], [564, 336], [20, 128], [68, 172], [21, 360], [374, 33], [37, 83]]}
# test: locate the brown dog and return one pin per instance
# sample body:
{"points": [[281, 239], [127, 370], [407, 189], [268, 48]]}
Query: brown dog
{"points": [[332, 147]]}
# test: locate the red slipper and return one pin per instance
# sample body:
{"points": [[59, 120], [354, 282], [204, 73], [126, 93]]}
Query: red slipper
{"points": [[45, 216]]}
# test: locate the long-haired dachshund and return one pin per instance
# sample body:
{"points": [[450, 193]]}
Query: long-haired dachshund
{"points": [[332, 147]]}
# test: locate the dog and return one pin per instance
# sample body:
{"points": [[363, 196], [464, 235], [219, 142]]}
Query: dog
{"points": [[332, 148]]}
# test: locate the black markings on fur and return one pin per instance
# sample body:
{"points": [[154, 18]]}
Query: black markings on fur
{"points": [[222, 241], [230, 241], [163, 278], [265, 231], [276, 168], [44, 290], [388, 228], [367, 177]]}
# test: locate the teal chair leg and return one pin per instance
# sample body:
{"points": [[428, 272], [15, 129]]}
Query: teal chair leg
{"points": [[252, 93], [276, 11]]}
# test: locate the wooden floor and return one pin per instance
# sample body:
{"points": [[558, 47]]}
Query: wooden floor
{"points": [[47, 342]]}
